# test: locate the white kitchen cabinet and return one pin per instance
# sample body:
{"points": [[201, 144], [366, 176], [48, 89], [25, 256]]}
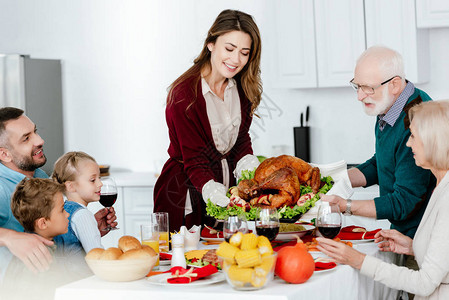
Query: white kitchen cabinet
{"points": [[340, 38], [432, 13], [315, 43], [386, 26], [292, 42], [342, 30], [133, 206]]}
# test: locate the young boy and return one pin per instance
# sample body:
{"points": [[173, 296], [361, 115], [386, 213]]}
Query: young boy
{"points": [[38, 205]]}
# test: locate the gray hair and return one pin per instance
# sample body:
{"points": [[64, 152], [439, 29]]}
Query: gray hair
{"points": [[389, 61]]}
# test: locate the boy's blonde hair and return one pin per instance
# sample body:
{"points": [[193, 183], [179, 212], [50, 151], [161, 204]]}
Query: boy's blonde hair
{"points": [[66, 167], [34, 199]]}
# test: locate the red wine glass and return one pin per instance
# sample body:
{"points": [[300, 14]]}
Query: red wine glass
{"points": [[267, 222], [328, 220], [108, 196]]}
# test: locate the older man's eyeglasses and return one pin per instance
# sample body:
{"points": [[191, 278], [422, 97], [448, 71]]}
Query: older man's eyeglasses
{"points": [[369, 90]]}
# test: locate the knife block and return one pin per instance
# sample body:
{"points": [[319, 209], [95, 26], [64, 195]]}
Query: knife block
{"points": [[301, 137]]}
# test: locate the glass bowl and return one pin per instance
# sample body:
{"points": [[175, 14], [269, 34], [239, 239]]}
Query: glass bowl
{"points": [[251, 278]]}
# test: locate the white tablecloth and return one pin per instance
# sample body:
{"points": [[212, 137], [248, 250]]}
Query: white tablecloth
{"points": [[342, 282]]}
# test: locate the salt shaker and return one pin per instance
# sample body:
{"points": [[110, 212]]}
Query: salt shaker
{"points": [[177, 243]]}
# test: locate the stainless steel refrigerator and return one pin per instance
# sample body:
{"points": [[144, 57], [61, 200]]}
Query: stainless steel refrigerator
{"points": [[35, 85]]}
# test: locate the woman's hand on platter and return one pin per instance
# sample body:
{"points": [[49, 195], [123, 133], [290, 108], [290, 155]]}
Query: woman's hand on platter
{"points": [[394, 241], [342, 253], [216, 193]]}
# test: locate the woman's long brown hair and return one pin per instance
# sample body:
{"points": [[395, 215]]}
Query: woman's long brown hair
{"points": [[249, 77]]}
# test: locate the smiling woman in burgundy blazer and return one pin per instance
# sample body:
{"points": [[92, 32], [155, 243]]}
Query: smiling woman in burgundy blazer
{"points": [[209, 113]]}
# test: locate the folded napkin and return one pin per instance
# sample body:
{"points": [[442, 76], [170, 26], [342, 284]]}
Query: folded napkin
{"points": [[342, 185], [164, 256], [320, 266], [182, 275], [339, 172], [209, 232], [356, 233], [191, 237]]}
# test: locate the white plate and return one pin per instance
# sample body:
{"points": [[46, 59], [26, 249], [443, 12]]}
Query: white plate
{"points": [[161, 279], [212, 239], [359, 241], [164, 262], [325, 271], [317, 254], [291, 235]]}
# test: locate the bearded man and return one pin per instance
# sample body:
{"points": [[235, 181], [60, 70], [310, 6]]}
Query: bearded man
{"points": [[21, 155], [404, 188]]}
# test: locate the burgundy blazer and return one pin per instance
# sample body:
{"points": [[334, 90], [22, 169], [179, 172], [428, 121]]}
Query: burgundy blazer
{"points": [[194, 160]]}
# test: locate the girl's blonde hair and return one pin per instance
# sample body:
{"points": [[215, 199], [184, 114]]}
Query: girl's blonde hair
{"points": [[431, 120], [66, 167]]}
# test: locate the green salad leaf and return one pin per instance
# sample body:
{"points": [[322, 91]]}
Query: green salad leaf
{"points": [[247, 174], [222, 213], [289, 212]]}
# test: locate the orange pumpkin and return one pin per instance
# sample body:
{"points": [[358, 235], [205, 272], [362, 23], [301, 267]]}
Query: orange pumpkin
{"points": [[294, 263]]}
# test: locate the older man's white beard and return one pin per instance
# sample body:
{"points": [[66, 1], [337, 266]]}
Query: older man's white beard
{"points": [[380, 106]]}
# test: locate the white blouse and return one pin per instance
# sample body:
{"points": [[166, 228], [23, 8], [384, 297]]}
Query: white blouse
{"points": [[224, 115], [225, 118]]}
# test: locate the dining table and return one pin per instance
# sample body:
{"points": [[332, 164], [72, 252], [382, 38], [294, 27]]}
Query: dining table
{"points": [[341, 282]]}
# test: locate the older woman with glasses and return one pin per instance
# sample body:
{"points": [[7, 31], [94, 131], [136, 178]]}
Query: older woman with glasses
{"points": [[429, 142]]}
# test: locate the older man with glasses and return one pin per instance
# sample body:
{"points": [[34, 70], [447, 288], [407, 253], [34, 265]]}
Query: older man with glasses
{"points": [[381, 87]]}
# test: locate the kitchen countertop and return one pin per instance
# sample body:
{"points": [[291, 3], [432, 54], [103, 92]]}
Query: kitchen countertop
{"points": [[129, 178]]}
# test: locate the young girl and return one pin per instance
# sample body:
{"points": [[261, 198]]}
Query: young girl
{"points": [[80, 174]]}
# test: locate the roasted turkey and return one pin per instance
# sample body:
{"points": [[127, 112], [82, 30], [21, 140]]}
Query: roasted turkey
{"points": [[277, 182]]}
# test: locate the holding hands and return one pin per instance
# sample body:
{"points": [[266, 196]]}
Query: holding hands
{"points": [[394, 241]]}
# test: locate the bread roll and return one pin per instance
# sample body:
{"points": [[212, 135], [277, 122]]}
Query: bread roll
{"points": [[95, 253], [126, 243], [135, 254], [111, 254], [149, 250]]}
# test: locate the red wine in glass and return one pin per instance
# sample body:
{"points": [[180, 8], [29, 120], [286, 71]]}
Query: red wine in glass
{"points": [[269, 231], [329, 231], [329, 220], [107, 200], [267, 222], [108, 196]]}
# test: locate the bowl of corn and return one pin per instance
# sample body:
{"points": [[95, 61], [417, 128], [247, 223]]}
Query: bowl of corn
{"points": [[248, 261]]}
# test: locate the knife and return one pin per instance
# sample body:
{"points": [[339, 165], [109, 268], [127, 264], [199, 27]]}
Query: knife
{"points": [[302, 117], [307, 116]]}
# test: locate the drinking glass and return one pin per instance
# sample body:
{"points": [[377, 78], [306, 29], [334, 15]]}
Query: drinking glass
{"points": [[267, 222], [108, 196], [149, 235], [328, 220], [234, 224], [161, 219]]}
